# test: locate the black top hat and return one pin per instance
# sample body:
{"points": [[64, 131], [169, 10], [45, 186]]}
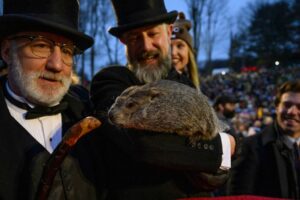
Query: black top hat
{"points": [[57, 16], [132, 14]]}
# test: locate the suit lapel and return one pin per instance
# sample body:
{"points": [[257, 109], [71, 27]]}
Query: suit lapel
{"points": [[282, 154], [11, 128]]}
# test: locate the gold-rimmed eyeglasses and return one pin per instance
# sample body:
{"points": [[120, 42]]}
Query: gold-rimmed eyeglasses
{"points": [[42, 47]]}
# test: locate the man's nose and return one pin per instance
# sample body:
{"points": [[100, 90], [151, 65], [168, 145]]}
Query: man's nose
{"points": [[293, 109], [146, 43], [55, 62]]}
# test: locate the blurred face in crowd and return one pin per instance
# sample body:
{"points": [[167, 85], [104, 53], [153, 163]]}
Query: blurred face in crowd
{"points": [[148, 51], [39, 69], [288, 113], [228, 109], [180, 54]]}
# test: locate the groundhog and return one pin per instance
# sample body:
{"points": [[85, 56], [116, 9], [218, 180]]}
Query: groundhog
{"points": [[166, 106]]}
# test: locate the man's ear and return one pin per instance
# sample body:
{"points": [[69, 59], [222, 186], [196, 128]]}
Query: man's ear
{"points": [[122, 39], [169, 31], [5, 51], [221, 107], [154, 93]]}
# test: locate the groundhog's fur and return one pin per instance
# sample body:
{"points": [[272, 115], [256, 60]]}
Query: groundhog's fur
{"points": [[166, 106]]}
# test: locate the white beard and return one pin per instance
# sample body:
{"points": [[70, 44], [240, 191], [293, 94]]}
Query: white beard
{"points": [[28, 86], [150, 73]]}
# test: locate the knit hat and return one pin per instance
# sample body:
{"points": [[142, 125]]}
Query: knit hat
{"points": [[181, 30]]}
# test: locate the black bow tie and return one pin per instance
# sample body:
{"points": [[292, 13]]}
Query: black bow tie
{"points": [[38, 111]]}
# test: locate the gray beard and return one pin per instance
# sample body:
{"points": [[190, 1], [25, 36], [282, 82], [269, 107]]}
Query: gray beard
{"points": [[150, 73], [29, 88]]}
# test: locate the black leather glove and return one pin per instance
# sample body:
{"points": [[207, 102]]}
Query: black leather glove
{"points": [[208, 181]]}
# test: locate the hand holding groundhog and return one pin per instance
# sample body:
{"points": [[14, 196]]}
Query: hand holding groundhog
{"points": [[166, 106]]}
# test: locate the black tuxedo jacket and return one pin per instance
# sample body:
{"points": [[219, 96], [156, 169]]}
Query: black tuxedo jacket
{"points": [[22, 159], [265, 167], [140, 164]]}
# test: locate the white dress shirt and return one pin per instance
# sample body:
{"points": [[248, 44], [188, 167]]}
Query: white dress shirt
{"points": [[226, 147], [46, 130]]}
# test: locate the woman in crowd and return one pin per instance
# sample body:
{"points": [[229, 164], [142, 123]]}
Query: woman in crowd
{"points": [[183, 58]]}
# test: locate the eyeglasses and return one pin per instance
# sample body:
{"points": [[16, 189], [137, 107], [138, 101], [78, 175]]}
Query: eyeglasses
{"points": [[42, 47]]}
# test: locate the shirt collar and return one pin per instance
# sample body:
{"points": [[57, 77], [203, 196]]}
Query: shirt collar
{"points": [[17, 97]]}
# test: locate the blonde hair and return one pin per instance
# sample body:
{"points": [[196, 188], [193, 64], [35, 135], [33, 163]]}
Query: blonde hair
{"points": [[75, 78], [192, 68]]}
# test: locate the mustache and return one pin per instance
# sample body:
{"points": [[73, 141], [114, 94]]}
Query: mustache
{"points": [[51, 76], [148, 54]]}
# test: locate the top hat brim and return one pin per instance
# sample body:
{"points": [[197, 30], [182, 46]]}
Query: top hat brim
{"points": [[168, 18], [14, 23]]}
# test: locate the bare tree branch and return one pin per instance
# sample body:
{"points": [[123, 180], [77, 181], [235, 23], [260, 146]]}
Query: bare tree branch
{"points": [[195, 12], [215, 26]]}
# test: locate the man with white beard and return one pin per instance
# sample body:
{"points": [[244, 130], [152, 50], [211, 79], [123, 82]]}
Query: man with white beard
{"points": [[38, 41], [143, 165]]}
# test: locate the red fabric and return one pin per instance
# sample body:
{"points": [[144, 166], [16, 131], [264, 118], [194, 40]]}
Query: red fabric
{"points": [[242, 197]]}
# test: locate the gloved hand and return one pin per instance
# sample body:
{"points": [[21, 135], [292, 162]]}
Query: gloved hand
{"points": [[208, 181]]}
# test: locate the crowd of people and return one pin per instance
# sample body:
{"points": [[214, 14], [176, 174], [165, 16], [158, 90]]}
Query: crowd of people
{"points": [[254, 93], [40, 99]]}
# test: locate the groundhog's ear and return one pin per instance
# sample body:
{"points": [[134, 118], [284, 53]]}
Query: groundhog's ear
{"points": [[154, 93], [128, 90]]}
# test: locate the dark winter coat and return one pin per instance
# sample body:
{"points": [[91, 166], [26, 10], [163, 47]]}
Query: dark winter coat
{"points": [[266, 167], [145, 165], [22, 159]]}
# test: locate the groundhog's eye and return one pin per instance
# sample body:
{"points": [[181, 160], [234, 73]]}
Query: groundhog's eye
{"points": [[130, 104]]}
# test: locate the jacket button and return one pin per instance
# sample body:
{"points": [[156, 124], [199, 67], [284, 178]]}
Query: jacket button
{"points": [[205, 146], [69, 187], [199, 145], [64, 174]]}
